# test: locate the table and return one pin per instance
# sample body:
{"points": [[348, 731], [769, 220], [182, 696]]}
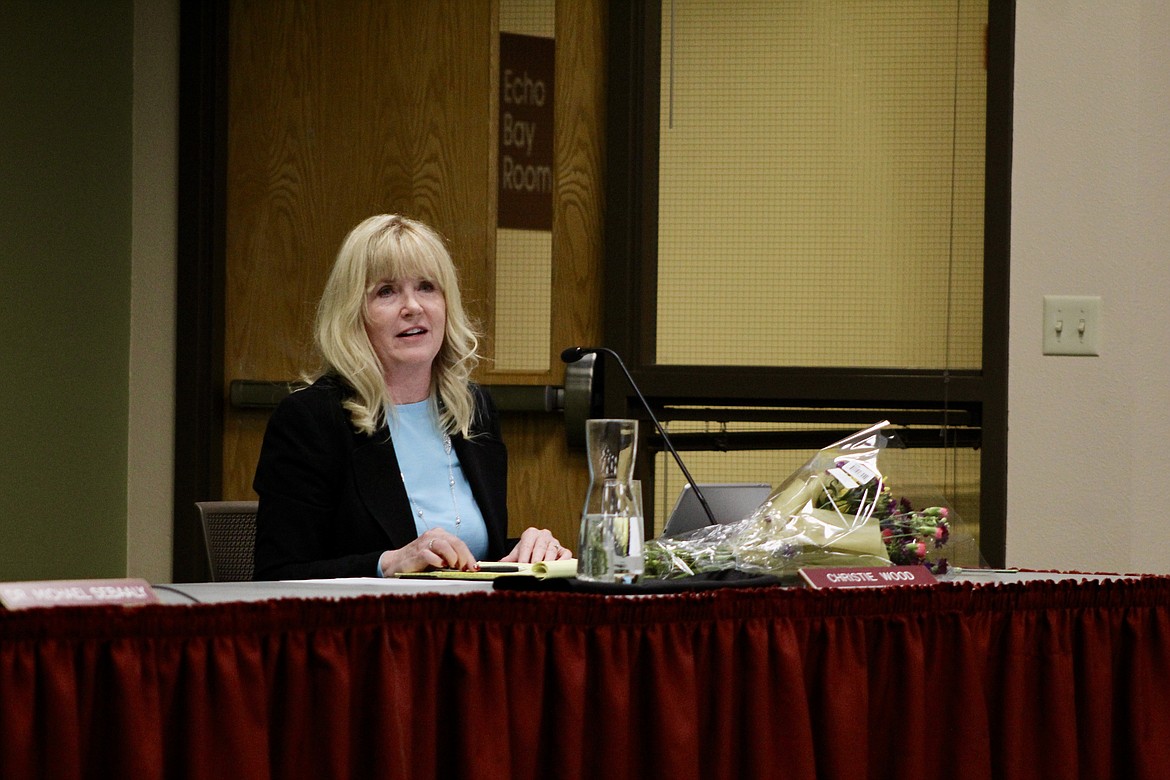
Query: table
{"points": [[1026, 676]]}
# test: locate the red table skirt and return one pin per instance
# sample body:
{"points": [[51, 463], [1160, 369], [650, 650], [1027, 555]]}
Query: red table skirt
{"points": [[1039, 680]]}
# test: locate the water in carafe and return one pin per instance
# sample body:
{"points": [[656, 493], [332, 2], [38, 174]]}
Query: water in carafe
{"points": [[610, 548]]}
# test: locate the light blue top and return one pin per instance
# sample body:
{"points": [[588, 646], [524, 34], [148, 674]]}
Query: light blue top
{"points": [[434, 478]]}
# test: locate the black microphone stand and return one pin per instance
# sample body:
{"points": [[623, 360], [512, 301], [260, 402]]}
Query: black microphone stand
{"points": [[573, 354]]}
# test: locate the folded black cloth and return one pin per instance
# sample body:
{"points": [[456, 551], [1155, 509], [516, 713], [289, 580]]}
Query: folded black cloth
{"points": [[729, 578]]}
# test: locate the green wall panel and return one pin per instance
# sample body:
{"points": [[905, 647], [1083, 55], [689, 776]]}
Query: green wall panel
{"points": [[65, 220]]}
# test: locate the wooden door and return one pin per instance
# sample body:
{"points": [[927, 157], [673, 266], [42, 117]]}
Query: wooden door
{"points": [[340, 110]]}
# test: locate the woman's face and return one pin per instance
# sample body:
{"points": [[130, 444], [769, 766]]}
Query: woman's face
{"points": [[405, 320]]}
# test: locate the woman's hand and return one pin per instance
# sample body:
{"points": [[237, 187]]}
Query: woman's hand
{"points": [[436, 548], [537, 544]]}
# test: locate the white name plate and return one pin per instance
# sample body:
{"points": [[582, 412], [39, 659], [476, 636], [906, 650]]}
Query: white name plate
{"points": [[75, 593]]}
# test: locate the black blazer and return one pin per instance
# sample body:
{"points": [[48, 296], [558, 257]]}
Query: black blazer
{"points": [[332, 499]]}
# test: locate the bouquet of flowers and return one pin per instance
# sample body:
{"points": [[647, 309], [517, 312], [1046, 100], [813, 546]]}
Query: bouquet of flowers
{"points": [[836, 510], [910, 536]]}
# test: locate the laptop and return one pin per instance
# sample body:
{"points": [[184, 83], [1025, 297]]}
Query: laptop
{"points": [[730, 502]]}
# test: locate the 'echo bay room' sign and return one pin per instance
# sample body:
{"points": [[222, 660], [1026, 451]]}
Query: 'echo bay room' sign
{"points": [[526, 132]]}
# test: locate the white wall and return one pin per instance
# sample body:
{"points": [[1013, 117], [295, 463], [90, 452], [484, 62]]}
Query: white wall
{"points": [[1088, 452]]}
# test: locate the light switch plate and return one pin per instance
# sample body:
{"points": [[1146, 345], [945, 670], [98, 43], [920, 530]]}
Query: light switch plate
{"points": [[1072, 325]]}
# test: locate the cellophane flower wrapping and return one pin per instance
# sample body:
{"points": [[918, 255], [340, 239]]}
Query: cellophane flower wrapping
{"points": [[836, 510]]}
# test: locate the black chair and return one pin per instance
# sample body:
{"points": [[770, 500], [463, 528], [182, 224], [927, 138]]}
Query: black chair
{"points": [[229, 532]]}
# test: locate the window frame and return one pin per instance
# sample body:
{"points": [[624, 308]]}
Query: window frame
{"points": [[972, 403]]}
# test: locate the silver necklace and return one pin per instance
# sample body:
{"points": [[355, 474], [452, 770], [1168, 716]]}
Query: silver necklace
{"points": [[450, 484]]}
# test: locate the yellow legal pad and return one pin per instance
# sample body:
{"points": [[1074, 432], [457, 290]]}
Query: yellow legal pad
{"points": [[541, 571]]}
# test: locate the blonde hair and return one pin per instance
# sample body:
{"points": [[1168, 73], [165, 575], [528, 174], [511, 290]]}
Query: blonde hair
{"points": [[390, 246]]}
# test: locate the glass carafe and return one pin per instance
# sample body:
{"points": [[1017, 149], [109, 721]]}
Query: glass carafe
{"points": [[610, 548]]}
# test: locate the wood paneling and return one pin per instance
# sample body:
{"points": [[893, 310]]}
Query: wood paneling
{"points": [[340, 110]]}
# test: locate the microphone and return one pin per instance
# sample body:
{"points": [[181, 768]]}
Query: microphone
{"points": [[573, 354]]}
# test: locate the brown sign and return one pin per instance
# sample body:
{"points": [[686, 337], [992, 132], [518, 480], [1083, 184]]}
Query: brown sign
{"points": [[74, 593], [526, 132], [867, 576]]}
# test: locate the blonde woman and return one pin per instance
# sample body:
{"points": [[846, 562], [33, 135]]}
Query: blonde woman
{"points": [[391, 460]]}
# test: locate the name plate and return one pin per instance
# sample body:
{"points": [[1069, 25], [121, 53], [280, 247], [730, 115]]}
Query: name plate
{"points": [[74, 593], [867, 576]]}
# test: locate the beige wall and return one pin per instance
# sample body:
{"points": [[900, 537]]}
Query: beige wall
{"points": [[1087, 459], [150, 466]]}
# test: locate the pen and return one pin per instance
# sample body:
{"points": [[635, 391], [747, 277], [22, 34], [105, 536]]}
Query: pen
{"points": [[497, 567]]}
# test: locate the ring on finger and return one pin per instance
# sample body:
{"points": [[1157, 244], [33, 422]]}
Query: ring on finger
{"points": [[431, 545]]}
